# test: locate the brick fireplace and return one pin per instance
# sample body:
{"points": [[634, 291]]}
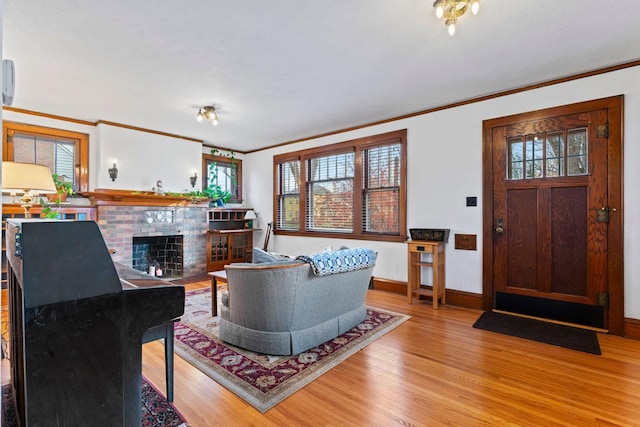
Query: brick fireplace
{"points": [[164, 253], [120, 223]]}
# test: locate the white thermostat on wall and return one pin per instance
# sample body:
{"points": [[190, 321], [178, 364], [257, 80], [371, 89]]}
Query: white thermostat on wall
{"points": [[8, 81]]}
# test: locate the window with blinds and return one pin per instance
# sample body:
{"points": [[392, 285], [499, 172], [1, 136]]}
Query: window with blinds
{"points": [[381, 189], [354, 189], [288, 195], [66, 153], [57, 154], [330, 197]]}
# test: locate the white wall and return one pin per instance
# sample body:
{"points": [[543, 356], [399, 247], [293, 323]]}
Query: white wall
{"points": [[143, 158], [445, 166]]}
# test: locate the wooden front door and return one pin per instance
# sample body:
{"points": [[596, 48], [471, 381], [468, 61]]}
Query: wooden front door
{"points": [[553, 211]]}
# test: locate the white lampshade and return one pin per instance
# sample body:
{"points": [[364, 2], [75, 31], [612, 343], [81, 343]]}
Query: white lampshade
{"points": [[19, 178], [250, 214]]}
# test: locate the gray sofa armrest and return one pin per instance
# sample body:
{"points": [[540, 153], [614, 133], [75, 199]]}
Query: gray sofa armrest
{"points": [[261, 296]]}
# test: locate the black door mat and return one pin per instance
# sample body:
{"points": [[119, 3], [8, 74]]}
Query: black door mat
{"points": [[537, 330]]}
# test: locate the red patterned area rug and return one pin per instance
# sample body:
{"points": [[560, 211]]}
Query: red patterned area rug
{"points": [[263, 380], [156, 410]]}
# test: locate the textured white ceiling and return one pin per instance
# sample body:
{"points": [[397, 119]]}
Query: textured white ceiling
{"points": [[280, 70]]}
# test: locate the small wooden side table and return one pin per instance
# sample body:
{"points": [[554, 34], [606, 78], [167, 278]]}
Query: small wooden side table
{"points": [[414, 289], [216, 276]]}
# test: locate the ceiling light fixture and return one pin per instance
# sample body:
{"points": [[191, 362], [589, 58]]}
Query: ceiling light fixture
{"points": [[451, 10], [209, 113]]}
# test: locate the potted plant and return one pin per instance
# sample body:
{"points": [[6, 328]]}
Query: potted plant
{"points": [[218, 196], [63, 189]]}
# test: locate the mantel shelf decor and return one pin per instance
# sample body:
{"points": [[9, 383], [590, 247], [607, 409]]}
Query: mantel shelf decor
{"points": [[104, 196]]}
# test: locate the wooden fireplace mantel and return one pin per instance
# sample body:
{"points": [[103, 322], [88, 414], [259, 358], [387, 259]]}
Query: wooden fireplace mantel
{"points": [[110, 197]]}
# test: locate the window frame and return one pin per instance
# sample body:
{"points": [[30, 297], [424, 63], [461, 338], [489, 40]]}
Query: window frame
{"points": [[358, 146], [227, 162], [81, 147]]}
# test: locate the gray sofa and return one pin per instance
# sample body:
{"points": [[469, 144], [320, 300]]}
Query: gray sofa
{"points": [[283, 307]]}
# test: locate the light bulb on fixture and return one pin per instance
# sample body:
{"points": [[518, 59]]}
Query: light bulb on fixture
{"points": [[475, 7], [451, 26]]}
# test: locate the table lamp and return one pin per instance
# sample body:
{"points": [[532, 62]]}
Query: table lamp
{"points": [[252, 215], [28, 180]]}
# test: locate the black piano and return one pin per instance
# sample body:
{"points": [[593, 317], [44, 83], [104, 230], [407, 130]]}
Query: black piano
{"points": [[75, 333]]}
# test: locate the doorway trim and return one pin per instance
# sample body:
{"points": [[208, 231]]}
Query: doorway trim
{"points": [[615, 253]]}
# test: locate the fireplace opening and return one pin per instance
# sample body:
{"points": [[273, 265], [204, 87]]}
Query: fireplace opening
{"points": [[163, 251]]}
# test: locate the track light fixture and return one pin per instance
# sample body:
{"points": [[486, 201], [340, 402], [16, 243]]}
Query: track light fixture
{"points": [[208, 113]]}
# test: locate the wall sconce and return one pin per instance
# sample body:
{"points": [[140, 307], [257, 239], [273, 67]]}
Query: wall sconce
{"points": [[113, 172], [193, 178]]}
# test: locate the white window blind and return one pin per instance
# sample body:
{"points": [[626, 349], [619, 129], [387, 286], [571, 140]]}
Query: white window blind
{"points": [[58, 155], [288, 205], [330, 193], [381, 189]]}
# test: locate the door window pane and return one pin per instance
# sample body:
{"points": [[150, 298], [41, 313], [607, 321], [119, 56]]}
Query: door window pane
{"points": [[577, 152], [515, 158], [554, 154], [534, 156]]}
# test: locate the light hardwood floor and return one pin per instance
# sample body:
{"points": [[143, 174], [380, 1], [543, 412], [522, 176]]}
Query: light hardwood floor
{"points": [[434, 370]]}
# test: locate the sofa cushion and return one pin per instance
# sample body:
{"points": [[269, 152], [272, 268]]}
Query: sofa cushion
{"points": [[260, 256]]}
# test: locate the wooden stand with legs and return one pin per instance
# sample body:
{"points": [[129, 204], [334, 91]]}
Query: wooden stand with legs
{"points": [[437, 265]]}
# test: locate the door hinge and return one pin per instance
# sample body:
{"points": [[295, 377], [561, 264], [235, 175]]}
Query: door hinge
{"points": [[602, 299], [602, 131], [602, 214]]}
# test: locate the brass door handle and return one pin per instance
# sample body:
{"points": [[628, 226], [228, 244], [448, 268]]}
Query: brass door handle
{"points": [[500, 226]]}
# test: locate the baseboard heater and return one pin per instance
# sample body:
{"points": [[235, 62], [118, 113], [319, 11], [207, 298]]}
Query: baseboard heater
{"points": [[570, 312]]}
